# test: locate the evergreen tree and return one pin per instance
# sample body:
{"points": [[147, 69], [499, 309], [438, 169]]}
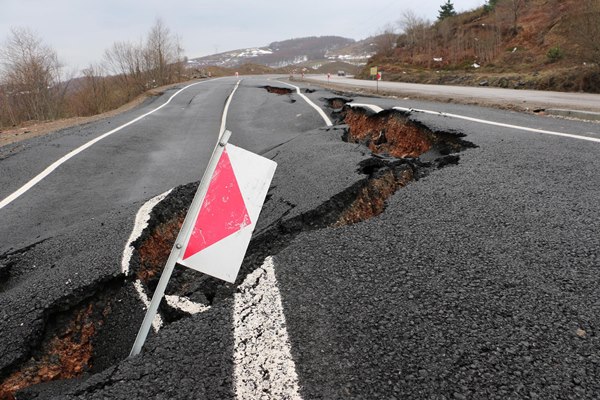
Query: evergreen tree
{"points": [[446, 10], [490, 5]]}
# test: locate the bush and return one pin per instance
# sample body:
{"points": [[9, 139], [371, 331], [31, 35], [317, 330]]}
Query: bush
{"points": [[554, 54]]}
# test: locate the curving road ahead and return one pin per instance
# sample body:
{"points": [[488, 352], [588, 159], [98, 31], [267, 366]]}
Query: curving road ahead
{"points": [[479, 280]]}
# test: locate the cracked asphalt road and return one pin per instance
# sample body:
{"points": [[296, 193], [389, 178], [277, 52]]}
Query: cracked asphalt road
{"points": [[479, 281]]}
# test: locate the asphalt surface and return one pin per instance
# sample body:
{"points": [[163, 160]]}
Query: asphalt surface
{"points": [[479, 281]]}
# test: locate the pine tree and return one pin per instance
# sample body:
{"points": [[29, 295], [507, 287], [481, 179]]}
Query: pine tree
{"points": [[446, 10], [490, 5]]}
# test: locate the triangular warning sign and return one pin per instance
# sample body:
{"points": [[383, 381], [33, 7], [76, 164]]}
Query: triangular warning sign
{"points": [[223, 211]]}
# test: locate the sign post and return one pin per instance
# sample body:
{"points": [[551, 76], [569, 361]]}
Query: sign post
{"points": [[218, 226]]}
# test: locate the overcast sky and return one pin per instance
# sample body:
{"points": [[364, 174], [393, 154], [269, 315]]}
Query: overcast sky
{"points": [[80, 30]]}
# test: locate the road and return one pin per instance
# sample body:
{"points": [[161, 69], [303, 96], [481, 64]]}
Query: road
{"points": [[479, 279], [521, 99]]}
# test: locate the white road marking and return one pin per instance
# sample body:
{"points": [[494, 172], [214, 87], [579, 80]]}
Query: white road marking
{"points": [[486, 122], [263, 364], [157, 322], [23, 189], [141, 222], [313, 105], [226, 109], [184, 304], [372, 107]]}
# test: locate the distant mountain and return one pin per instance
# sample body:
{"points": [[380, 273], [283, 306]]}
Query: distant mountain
{"points": [[291, 52]]}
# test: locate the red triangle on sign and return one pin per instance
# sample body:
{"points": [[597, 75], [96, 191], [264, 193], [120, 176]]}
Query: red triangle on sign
{"points": [[223, 211]]}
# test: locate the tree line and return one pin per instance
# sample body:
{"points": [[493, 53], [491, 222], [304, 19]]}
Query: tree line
{"points": [[34, 87]]}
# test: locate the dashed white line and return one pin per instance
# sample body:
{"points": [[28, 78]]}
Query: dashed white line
{"points": [[34, 181], [263, 364]]}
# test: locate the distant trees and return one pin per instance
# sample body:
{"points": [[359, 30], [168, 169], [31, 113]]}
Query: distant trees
{"points": [[385, 42], [30, 79], [32, 88], [140, 66]]}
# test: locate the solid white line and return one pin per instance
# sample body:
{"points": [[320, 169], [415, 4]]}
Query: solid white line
{"points": [[226, 109], [78, 150], [486, 122], [313, 105], [141, 222], [263, 363]]}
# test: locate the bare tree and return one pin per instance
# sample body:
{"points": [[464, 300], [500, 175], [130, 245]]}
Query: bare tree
{"points": [[413, 27], [162, 54], [586, 30], [515, 8], [92, 94], [385, 42], [126, 62], [31, 78]]}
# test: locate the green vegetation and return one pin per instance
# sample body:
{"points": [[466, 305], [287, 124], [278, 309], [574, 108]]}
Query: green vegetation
{"points": [[554, 54], [446, 10]]}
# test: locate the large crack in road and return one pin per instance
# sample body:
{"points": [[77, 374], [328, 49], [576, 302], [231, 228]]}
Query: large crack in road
{"points": [[76, 341]]}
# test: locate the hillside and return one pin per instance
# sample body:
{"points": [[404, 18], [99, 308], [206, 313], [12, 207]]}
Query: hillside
{"points": [[282, 54], [539, 44]]}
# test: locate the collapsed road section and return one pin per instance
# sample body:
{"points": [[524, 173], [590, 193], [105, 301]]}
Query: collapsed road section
{"points": [[353, 167]]}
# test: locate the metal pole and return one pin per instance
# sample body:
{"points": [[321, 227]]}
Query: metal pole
{"points": [[178, 246]]}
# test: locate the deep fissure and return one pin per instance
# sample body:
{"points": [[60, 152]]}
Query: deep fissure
{"points": [[403, 150], [277, 90], [65, 348]]}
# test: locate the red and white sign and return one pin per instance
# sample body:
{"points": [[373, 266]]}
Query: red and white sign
{"points": [[221, 232]]}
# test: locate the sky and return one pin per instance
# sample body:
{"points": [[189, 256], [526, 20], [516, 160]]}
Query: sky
{"points": [[81, 30]]}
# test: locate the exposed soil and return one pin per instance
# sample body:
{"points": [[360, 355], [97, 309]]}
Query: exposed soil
{"points": [[152, 250], [75, 342], [371, 199], [389, 133], [394, 133], [67, 349]]}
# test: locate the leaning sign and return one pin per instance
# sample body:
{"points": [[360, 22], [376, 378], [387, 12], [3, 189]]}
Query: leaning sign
{"points": [[218, 227], [223, 227]]}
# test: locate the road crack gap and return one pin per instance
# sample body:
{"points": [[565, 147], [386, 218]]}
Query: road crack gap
{"points": [[75, 340]]}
